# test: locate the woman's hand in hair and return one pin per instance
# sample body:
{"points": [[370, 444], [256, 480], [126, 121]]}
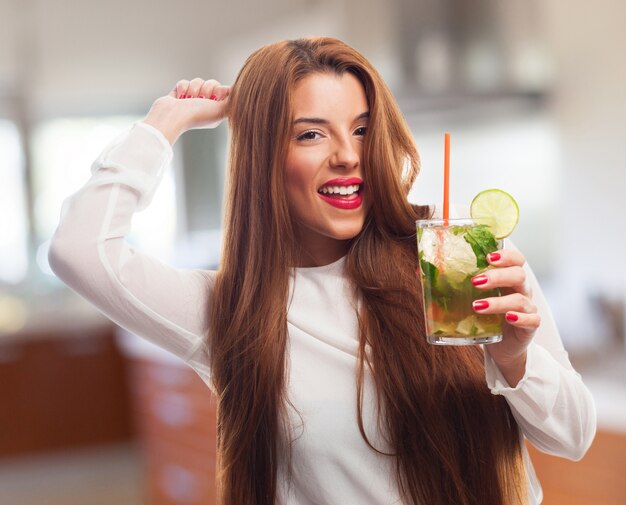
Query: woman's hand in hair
{"points": [[521, 319], [190, 104]]}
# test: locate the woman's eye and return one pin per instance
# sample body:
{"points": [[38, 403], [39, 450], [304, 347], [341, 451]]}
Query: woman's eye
{"points": [[310, 135], [361, 130]]}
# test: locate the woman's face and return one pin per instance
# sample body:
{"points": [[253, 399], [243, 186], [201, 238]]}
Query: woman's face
{"points": [[324, 174]]}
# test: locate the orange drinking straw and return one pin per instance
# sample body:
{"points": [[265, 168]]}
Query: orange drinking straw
{"points": [[446, 178]]}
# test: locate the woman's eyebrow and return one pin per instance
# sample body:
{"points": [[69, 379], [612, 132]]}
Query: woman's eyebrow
{"points": [[319, 120], [315, 120]]}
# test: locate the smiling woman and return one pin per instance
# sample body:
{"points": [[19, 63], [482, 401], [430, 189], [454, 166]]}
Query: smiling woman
{"points": [[311, 332]]}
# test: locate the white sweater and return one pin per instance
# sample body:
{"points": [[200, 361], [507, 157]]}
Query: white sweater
{"points": [[169, 306]]}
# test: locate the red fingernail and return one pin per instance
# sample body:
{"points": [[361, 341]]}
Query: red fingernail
{"points": [[213, 97], [494, 256], [481, 305], [181, 97], [479, 280], [511, 317]]}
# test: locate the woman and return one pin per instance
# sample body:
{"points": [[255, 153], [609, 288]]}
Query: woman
{"points": [[311, 331]]}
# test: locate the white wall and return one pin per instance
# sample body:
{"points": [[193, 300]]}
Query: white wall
{"points": [[91, 55], [589, 107], [94, 56]]}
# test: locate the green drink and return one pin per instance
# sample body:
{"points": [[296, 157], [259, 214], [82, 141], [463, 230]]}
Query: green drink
{"points": [[451, 252]]}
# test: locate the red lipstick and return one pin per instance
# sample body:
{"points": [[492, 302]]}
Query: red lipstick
{"points": [[341, 203], [346, 201], [343, 181]]}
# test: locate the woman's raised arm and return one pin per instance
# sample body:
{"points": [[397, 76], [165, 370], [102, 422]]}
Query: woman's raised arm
{"points": [[89, 252]]}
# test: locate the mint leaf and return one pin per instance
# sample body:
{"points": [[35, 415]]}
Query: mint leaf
{"points": [[437, 294], [430, 272], [482, 243]]}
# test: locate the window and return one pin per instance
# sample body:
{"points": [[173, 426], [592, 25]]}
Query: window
{"points": [[64, 150], [13, 219]]}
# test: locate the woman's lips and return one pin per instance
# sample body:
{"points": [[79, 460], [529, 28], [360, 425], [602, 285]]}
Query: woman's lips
{"points": [[346, 202], [343, 201], [344, 181]]}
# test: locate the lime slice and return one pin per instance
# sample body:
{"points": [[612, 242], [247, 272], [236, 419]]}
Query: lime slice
{"points": [[499, 208]]}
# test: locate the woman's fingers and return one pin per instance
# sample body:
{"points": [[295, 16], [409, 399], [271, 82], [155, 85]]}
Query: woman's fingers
{"points": [[515, 302], [200, 88], [513, 277], [221, 92], [193, 90], [506, 258], [507, 272], [519, 310], [523, 321], [180, 90]]}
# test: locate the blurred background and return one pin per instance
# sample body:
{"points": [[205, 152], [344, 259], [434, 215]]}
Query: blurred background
{"points": [[532, 93]]}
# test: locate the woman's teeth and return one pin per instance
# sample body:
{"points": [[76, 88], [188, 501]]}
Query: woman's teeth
{"points": [[339, 190]]}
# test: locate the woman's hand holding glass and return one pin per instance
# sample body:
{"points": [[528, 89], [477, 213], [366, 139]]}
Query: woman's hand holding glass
{"points": [[190, 104], [522, 319]]}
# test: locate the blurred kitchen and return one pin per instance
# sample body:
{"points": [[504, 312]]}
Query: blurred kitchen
{"points": [[532, 93]]}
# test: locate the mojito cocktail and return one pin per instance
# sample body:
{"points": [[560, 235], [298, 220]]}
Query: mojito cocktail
{"points": [[451, 252]]}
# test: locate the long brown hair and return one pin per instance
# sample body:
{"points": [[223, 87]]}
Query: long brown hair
{"points": [[452, 440]]}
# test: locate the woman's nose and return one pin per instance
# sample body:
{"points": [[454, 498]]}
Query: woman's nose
{"points": [[346, 155]]}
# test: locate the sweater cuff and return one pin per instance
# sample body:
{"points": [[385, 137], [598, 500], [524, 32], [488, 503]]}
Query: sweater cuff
{"points": [[137, 158], [536, 393]]}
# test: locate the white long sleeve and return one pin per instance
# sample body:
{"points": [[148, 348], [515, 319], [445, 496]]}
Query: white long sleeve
{"points": [[89, 252]]}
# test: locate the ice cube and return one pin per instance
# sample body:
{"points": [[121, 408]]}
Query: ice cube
{"points": [[450, 253]]}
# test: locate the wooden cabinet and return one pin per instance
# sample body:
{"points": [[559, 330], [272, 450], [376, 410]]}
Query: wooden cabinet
{"points": [[60, 390], [175, 418], [598, 479]]}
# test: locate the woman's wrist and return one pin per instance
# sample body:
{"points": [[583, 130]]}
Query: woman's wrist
{"points": [[164, 119], [513, 370]]}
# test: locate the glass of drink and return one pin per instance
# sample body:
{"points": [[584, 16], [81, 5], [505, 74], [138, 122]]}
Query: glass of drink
{"points": [[451, 252]]}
